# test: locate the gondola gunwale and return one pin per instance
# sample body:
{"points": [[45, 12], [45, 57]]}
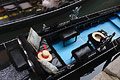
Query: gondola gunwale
{"points": [[40, 15]]}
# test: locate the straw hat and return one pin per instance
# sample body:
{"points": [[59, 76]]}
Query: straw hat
{"points": [[45, 55], [97, 36]]}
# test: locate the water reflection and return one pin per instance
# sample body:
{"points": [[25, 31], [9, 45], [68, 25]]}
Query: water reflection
{"points": [[97, 70], [88, 72]]}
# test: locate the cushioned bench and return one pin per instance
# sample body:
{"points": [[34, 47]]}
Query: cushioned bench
{"points": [[68, 34], [16, 55], [82, 52]]}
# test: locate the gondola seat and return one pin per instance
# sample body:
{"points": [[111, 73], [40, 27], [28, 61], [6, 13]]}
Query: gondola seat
{"points": [[81, 53], [16, 55], [68, 34]]}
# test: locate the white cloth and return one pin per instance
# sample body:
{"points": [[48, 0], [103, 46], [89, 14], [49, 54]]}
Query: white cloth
{"points": [[49, 3]]}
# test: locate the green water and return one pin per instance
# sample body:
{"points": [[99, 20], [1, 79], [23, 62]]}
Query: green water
{"points": [[95, 5]]}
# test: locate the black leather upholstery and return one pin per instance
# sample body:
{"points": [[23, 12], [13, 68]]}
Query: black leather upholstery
{"points": [[82, 52], [68, 34], [15, 53]]}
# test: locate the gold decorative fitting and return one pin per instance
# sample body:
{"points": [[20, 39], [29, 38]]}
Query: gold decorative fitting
{"points": [[1, 18], [28, 10], [6, 16]]}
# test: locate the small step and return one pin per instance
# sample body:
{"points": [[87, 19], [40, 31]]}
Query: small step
{"points": [[116, 21]]}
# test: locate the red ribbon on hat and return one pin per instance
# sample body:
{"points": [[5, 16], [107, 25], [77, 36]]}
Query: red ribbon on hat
{"points": [[44, 56], [45, 47]]}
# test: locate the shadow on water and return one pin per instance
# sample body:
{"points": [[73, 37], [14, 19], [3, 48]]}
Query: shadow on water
{"points": [[88, 7]]}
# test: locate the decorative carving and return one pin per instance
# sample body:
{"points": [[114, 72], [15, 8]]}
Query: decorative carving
{"points": [[75, 13]]}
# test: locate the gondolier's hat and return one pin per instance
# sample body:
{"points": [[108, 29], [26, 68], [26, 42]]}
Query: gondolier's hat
{"points": [[45, 55]]}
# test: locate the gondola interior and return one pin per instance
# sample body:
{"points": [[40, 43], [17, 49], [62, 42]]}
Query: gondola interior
{"points": [[113, 25]]}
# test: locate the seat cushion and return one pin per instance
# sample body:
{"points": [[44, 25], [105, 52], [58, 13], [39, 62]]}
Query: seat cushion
{"points": [[82, 52], [16, 55], [50, 68], [34, 39], [68, 33]]}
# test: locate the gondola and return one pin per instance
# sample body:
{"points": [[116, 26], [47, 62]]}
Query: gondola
{"points": [[70, 46], [22, 12]]}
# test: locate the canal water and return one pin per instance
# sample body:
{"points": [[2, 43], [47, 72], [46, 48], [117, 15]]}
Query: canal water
{"points": [[88, 7]]}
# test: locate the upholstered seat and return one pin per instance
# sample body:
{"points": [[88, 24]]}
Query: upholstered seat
{"points": [[82, 52], [68, 34], [96, 37], [16, 54]]}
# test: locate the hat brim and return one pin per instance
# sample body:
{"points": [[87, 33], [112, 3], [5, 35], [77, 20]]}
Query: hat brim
{"points": [[47, 59]]}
